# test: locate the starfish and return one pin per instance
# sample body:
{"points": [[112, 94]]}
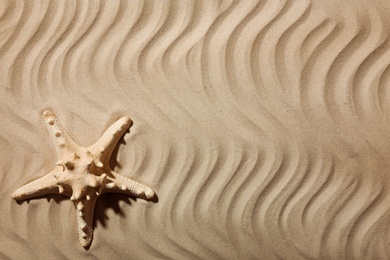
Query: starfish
{"points": [[83, 173]]}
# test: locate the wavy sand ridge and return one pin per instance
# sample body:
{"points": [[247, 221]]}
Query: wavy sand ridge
{"points": [[263, 127]]}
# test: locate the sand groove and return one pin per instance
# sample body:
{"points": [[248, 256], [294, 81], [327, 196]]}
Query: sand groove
{"points": [[261, 125]]}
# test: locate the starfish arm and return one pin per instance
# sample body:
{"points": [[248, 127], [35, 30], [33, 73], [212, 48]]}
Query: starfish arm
{"points": [[61, 139], [106, 144], [42, 186], [85, 212], [121, 184]]}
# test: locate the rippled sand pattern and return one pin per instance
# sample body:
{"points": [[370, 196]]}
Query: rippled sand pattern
{"points": [[263, 126]]}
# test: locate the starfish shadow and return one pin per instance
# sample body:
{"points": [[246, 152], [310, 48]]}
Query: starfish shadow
{"points": [[113, 201], [110, 201], [49, 197]]}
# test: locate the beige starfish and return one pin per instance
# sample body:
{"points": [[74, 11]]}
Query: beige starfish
{"points": [[83, 173]]}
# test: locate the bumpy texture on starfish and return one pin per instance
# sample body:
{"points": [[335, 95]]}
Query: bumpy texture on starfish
{"points": [[83, 173]]}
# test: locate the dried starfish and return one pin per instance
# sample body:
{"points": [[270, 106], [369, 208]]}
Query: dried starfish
{"points": [[83, 173]]}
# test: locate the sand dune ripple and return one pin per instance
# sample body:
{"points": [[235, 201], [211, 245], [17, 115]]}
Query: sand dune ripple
{"points": [[262, 126]]}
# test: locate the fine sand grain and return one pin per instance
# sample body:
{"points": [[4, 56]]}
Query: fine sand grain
{"points": [[263, 126]]}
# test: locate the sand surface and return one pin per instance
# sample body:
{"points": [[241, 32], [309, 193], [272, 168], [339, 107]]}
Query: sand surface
{"points": [[263, 126]]}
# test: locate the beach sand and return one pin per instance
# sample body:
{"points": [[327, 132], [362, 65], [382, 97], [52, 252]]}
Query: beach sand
{"points": [[263, 127]]}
